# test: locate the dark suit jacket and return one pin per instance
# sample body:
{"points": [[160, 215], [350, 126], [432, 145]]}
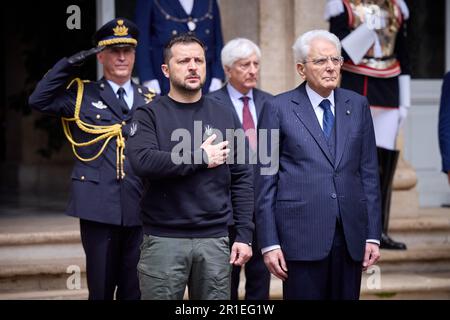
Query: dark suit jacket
{"points": [[156, 30], [259, 96], [298, 206], [224, 99], [96, 194], [444, 124]]}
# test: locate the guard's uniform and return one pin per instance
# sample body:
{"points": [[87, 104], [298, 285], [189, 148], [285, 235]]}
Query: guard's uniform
{"points": [[160, 20], [375, 76], [105, 192]]}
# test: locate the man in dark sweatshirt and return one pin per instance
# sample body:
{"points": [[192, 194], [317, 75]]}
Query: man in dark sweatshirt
{"points": [[194, 184]]}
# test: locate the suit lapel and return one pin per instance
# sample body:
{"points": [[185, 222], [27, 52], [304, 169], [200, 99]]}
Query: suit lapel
{"points": [[258, 102], [223, 96], [305, 112], [343, 111], [108, 95]]}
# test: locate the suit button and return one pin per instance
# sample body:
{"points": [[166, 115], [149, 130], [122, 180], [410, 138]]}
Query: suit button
{"points": [[174, 32], [207, 31], [82, 177], [333, 195], [124, 123], [97, 116]]}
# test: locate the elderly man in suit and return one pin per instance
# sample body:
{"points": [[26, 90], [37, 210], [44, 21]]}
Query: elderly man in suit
{"points": [[240, 60], [318, 216]]}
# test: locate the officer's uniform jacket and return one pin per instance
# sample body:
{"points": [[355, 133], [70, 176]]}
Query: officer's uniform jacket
{"points": [[97, 194]]}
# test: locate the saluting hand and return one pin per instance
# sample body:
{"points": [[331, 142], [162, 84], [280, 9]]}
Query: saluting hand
{"points": [[79, 57], [217, 153]]}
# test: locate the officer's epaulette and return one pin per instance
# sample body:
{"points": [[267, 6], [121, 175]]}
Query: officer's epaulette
{"points": [[146, 93]]}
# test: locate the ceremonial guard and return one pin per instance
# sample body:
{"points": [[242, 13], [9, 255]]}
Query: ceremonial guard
{"points": [[159, 21], [105, 192]]}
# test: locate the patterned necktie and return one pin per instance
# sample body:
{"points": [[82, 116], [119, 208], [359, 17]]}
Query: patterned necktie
{"points": [[123, 104], [247, 123], [328, 117]]}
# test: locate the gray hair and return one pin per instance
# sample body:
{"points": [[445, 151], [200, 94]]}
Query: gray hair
{"points": [[238, 48], [302, 45]]}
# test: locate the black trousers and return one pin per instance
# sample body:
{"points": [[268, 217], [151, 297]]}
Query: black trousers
{"points": [[257, 277], [112, 254], [337, 277]]}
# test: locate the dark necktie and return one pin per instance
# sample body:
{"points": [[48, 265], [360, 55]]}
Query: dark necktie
{"points": [[123, 104], [247, 123], [328, 117]]}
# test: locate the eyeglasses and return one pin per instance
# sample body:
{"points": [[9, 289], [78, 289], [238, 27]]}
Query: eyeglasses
{"points": [[337, 61]]}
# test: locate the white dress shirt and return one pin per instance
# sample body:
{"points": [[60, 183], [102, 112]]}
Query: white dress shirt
{"points": [[316, 99], [239, 104]]}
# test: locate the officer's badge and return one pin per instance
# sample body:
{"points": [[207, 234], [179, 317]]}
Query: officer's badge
{"points": [[133, 129], [208, 130], [99, 105], [120, 30], [148, 97]]}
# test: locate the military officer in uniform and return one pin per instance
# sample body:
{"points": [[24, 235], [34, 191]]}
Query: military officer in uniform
{"points": [[373, 35], [105, 192], [160, 20]]}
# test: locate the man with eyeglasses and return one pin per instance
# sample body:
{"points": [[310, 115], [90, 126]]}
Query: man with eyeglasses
{"points": [[318, 217]]}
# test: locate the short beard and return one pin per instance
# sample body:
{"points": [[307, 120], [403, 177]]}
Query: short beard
{"points": [[183, 88]]}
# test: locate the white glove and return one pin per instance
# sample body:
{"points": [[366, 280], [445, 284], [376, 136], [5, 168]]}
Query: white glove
{"points": [[333, 8], [153, 85], [404, 84], [402, 114], [216, 84]]}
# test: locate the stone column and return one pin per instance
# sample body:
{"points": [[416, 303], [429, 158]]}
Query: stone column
{"points": [[276, 37], [405, 198], [281, 22], [239, 20]]}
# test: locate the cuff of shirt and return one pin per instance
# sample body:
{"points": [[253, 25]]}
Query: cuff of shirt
{"points": [[270, 248], [373, 241]]}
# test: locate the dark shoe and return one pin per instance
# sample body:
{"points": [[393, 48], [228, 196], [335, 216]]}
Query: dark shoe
{"points": [[388, 243]]}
